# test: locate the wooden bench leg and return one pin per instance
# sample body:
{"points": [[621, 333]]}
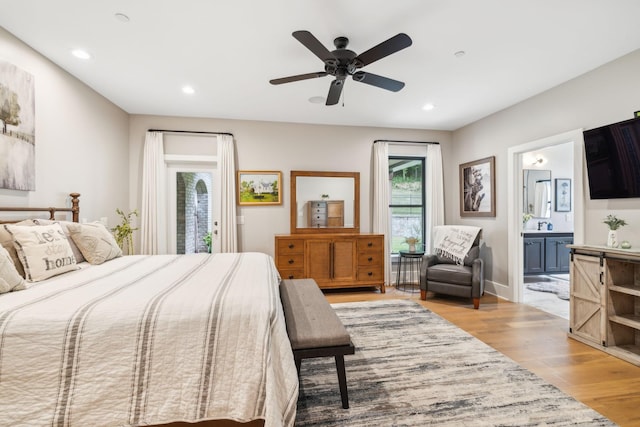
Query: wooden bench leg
{"points": [[342, 381]]}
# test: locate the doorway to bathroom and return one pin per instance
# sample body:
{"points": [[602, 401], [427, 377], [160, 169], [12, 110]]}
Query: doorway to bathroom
{"points": [[545, 216]]}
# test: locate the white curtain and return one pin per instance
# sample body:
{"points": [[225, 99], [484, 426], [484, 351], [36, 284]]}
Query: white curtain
{"points": [[434, 192], [153, 211], [227, 170], [381, 220]]}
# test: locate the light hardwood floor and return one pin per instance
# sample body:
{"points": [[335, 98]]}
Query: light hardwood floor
{"points": [[537, 341]]}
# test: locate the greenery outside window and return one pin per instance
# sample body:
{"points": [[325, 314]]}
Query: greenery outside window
{"points": [[407, 201]]}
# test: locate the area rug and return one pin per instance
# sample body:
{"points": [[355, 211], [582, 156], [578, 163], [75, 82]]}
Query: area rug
{"points": [[414, 368], [558, 287]]}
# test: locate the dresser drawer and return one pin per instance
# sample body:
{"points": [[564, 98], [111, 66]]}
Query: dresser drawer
{"points": [[318, 205], [292, 274], [290, 246], [367, 244], [371, 274], [291, 261], [372, 258]]}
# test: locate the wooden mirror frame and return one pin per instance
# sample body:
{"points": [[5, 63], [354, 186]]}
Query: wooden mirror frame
{"points": [[311, 230]]}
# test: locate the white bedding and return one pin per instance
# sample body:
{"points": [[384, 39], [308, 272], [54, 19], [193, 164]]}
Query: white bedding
{"points": [[147, 340]]}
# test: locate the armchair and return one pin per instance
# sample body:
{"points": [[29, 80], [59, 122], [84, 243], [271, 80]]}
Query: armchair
{"points": [[442, 275]]}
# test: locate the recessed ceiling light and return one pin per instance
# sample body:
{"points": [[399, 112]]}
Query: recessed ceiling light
{"points": [[317, 100], [428, 107], [188, 90], [81, 54], [121, 17], [459, 54]]}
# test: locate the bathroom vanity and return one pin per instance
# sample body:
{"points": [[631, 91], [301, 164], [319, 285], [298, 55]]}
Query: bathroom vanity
{"points": [[546, 252]]}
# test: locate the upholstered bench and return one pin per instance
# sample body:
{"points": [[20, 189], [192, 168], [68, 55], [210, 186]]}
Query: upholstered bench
{"points": [[314, 328]]}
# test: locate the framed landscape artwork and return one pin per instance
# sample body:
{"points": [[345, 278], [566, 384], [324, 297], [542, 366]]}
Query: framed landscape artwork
{"points": [[478, 188], [17, 128], [259, 187]]}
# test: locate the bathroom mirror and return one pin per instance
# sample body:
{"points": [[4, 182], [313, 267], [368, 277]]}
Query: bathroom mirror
{"points": [[325, 202], [537, 192]]}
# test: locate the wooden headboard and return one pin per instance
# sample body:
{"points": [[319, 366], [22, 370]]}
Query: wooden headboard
{"points": [[74, 209]]}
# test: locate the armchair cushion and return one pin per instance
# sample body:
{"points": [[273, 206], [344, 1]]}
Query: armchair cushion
{"points": [[450, 273]]}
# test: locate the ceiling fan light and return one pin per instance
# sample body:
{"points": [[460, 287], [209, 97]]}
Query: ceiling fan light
{"points": [[428, 107]]}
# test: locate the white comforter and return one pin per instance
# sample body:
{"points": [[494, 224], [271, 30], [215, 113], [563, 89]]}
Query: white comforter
{"points": [[146, 340]]}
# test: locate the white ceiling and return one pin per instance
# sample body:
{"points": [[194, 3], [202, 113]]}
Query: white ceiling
{"points": [[229, 50]]}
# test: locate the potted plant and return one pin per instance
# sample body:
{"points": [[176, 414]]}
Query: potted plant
{"points": [[412, 241], [614, 223], [123, 232], [207, 241]]}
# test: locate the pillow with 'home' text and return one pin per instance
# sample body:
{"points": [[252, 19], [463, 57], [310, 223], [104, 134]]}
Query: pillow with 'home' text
{"points": [[43, 250]]}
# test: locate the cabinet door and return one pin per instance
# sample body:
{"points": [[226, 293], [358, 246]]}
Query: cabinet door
{"points": [[557, 254], [344, 260], [587, 318], [534, 255], [318, 259]]}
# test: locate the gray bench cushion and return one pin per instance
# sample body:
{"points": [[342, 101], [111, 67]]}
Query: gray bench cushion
{"points": [[314, 324]]}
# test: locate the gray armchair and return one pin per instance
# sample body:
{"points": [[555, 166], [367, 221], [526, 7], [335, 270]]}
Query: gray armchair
{"points": [[443, 276]]}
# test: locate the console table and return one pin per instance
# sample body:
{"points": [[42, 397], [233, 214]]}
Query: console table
{"points": [[605, 300]]}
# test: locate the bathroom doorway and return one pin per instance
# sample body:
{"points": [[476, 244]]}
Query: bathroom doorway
{"points": [[527, 156]]}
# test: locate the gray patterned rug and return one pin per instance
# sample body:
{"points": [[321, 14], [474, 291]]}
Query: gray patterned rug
{"points": [[414, 368], [558, 287]]}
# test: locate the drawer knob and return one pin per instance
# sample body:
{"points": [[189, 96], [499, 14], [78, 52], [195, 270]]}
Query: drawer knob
{"points": [[291, 261], [370, 259], [291, 276], [291, 245], [370, 244], [370, 273]]}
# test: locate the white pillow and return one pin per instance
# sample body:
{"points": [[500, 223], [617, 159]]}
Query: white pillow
{"points": [[65, 227], [6, 241], [43, 250], [95, 242], [10, 279]]}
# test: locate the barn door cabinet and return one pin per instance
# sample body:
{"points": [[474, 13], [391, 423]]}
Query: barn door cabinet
{"points": [[332, 260], [605, 300]]}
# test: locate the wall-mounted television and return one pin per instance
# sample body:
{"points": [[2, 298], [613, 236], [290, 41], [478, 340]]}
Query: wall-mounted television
{"points": [[613, 160]]}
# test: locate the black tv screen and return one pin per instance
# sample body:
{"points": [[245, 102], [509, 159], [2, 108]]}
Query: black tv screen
{"points": [[613, 160]]}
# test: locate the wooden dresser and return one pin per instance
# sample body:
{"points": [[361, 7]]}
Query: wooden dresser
{"points": [[326, 213], [332, 260]]}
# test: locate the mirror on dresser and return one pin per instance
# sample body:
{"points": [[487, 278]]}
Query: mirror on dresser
{"points": [[325, 202], [537, 192]]}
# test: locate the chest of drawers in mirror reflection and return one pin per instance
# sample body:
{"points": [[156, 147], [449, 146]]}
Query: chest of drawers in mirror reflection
{"points": [[326, 213]]}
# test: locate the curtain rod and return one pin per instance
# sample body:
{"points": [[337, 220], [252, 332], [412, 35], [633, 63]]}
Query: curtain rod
{"points": [[189, 131], [406, 142]]}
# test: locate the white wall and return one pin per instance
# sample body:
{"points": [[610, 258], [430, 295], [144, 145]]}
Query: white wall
{"points": [[282, 147], [605, 95], [81, 140]]}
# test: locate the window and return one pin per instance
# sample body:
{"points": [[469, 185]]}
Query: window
{"points": [[407, 201]]}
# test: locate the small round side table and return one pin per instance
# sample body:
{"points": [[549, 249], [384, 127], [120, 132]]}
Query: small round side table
{"points": [[408, 275]]}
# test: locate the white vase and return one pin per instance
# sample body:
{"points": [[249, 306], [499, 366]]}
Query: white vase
{"points": [[412, 247], [612, 239]]}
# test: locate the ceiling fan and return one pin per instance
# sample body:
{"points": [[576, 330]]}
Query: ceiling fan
{"points": [[343, 62]]}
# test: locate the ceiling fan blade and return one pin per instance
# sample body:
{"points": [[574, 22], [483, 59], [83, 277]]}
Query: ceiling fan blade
{"points": [[297, 78], [378, 81], [314, 45], [334, 92], [386, 48]]}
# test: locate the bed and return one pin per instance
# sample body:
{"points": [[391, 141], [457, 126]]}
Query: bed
{"points": [[148, 340]]}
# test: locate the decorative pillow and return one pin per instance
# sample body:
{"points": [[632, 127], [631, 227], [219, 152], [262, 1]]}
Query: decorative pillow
{"points": [[43, 250], [10, 279], [6, 241], [65, 227], [95, 242]]}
